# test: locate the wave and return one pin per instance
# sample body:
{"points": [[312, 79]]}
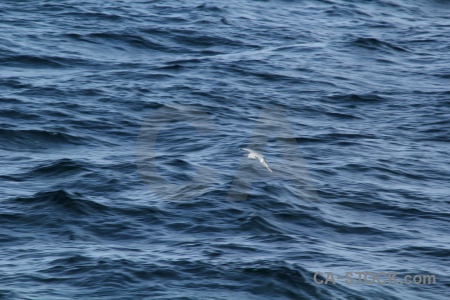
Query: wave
{"points": [[377, 44], [24, 140], [41, 61]]}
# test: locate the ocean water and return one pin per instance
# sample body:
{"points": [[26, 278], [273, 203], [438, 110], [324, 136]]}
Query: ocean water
{"points": [[121, 124]]}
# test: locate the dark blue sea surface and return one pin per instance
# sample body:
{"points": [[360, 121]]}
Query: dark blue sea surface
{"points": [[122, 177]]}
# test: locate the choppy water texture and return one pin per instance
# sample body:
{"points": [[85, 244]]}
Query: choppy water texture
{"points": [[120, 129]]}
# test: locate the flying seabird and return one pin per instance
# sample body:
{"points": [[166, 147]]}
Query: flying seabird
{"points": [[254, 155]]}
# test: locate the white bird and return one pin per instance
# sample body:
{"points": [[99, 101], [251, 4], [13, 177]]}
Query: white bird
{"points": [[254, 155]]}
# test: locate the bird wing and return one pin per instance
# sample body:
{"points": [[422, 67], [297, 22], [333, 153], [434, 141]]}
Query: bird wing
{"points": [[263, 161]]}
